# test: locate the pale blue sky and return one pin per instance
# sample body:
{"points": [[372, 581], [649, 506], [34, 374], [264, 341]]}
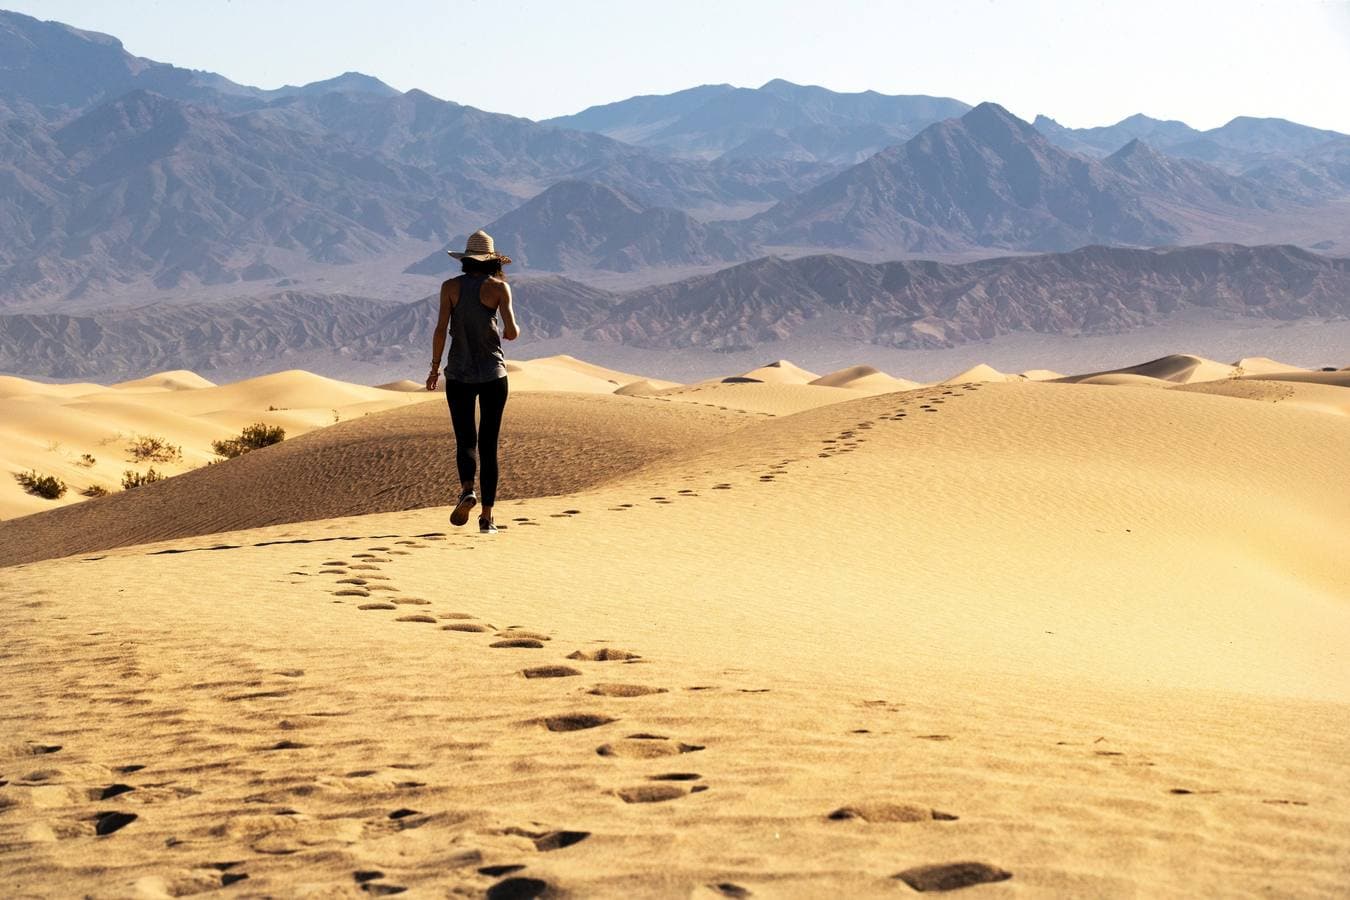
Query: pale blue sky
{"points": [[1084, 62]]}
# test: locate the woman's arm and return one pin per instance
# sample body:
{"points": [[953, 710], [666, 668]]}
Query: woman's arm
{"points": [[438, 338], [510, 330]]}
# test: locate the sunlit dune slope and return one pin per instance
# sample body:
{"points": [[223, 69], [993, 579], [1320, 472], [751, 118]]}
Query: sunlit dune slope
{"points": [[399, 459], [779, 372], [866, 379], [84, 434], [765, 399], [1178, 368], [175, 380]]}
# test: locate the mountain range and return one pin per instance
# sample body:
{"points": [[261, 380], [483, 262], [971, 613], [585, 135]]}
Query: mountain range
{"points": [[906, 304], [136, 195], [124, 179]]}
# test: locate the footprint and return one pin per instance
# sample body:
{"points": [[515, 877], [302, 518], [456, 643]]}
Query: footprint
{"points": [[377, 606], [464, 626], [520, 633], [889, 812], [496, 871], [520, 889], [652, 793], [624, 690], [637, 746], [518, 643], [604, 654], [106, 823], [730, 889], [352, 581], [548, 671], [411, 601], [455, 615], [675, 776], [557, 840], [951, 876], [417, 618], [576, 721]]}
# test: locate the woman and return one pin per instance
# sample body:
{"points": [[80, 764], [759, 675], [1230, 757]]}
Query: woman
{"points": [[475, 368]]}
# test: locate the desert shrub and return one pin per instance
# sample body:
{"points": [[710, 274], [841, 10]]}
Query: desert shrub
{"points": [[253, 437], [133, 479], [95, 490], [147, 447], [47, 486], [86, 461]]}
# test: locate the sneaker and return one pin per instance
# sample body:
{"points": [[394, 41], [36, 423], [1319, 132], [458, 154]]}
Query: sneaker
{"points": [[467, 501], [486, 526]]}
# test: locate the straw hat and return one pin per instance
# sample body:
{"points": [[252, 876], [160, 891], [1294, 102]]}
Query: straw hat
{"points": [[479, 246]]}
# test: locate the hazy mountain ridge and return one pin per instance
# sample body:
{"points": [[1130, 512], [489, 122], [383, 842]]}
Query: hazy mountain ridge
{"points": [[582, 225], [986, 179], [916, 304], [782, 119], [1257, 148], [906, 304]]}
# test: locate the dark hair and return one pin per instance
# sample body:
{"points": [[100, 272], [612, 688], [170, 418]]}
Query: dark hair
{"points": [[482, 267]]}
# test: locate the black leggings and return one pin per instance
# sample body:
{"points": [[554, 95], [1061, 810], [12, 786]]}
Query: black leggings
{"points": [[472, 445]]}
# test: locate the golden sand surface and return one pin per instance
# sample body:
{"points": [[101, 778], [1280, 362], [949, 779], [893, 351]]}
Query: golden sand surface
{"points": [[1007, 638]]}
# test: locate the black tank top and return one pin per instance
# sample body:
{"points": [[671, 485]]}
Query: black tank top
{"points": [[475, 344]]}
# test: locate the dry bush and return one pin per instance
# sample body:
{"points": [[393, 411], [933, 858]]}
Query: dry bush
{"points": [[95, 490], [86, 461], [253, 437], [46, 486], [148, 447], [133, 479]]}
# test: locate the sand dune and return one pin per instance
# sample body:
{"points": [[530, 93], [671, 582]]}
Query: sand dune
{"points": [[1119, 379], [58, 429], [645, 386], [976, 632], [866, 379], [566, 373], [397, 459], [979, 374], [779, 372], [1312, 395], [1179, 368], [176, 380], [765, 399], [1339, 378], [1264, 365]]}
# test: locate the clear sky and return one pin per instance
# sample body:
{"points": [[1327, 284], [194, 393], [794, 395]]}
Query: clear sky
{"points": [[1083, 62]]}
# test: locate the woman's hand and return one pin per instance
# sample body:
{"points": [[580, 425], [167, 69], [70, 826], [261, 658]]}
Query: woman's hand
{"points": [[434, 377]]}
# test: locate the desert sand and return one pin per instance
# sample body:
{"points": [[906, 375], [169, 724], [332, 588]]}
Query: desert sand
{"points": [[1065, 638]]}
